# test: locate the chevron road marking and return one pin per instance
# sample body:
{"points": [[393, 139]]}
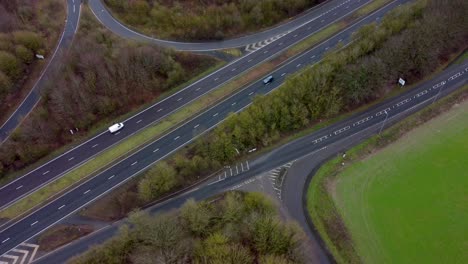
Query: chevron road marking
{"points": [[256, 46], [23, 254]]}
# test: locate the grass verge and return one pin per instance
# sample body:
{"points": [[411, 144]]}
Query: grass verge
{"points": [[62, 234], [320, 204], [156, 130]]}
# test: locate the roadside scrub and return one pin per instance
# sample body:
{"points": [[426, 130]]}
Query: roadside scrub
{"points": [[62, 234], [27, 28], [320, 204], [204, 20], [153, 132], [236, 227]]}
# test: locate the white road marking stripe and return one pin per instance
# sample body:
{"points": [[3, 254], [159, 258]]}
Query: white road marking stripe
{"points": [[117, 133], [233, 104], [87, 192], [95, 145], [313, 56], [283, 74], [216, 79], [111, 177], [5, 240], [198, 89], [45, 172], [196, 126], [160, 110], [215, 115], [19, 187], [72, 158], [299, 65], [176, 138], [250, 93], [178, 100], [139, 121], [134, 163], [156, 150], [34, 223], [61, 207]]}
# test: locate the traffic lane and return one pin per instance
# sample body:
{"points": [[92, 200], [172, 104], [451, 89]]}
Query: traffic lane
{"points": [[118, 28], [272, 161], [206, 115], [145, 118]]}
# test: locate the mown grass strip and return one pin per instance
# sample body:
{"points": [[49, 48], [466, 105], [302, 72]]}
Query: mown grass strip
{"points": [[151, 133]]}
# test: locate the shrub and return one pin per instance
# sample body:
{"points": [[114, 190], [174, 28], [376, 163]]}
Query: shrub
{"points": [[158, 180], [5, 85], [29, 39], [9, 64], [24, 54]]}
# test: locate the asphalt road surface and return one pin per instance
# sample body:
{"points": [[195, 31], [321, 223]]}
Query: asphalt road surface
{"points": [[315, 147], [73, 14], [36, 222], [75, 157], [314, 14]]}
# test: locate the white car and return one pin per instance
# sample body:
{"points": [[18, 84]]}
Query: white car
{"points": [[268, 79], [116, 127]]}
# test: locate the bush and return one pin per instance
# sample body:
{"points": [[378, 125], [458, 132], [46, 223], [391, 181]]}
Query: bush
{"points": [[156, 181], [28, 39], [24, 54], [5, 85], [9, 65]]}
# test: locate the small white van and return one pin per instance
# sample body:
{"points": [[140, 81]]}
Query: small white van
{"points": [[268, 79], [116, 127]]}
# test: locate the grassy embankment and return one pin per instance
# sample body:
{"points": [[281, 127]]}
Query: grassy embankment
{"points": [[399, 202], [158, 129]]}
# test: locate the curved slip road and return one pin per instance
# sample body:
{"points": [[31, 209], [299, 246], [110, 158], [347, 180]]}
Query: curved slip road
{"points": [[316, 14], [55, 168], [316, 147], [94, 188], [26, 106]]}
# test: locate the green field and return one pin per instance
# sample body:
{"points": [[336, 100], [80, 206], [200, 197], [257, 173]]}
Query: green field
{"points": [[408, 203]]}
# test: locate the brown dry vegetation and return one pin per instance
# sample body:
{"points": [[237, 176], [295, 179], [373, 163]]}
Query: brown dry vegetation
{"points": [[62, 234], [27, 28], [103, 77], [205, 19]]}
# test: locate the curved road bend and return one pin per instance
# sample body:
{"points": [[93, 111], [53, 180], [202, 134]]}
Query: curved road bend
{"points": [[75, 157], [316, 14], [316, 146], [73, 15], [122, 171]]}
